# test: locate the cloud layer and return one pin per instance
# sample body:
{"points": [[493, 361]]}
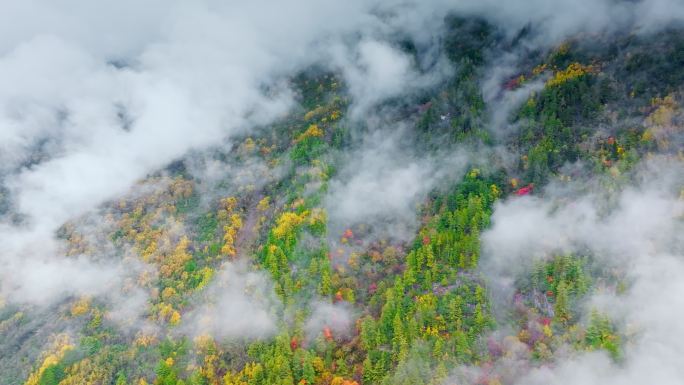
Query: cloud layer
{"points": [[641, 235], [93, 100]]}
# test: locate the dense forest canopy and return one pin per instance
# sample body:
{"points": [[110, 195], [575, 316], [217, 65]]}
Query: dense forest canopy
{"points": [[342, 193]]}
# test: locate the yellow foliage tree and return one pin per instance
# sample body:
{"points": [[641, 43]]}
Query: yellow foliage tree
{"points": [[60, 346], [287, 223], [312, 132], [175, 318], [263, 205], [80, 307], [573, 71]]}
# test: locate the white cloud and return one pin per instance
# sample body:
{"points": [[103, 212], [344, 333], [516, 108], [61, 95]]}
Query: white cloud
{"points": [[641, 235], [239, 304], [192, 76], [383, 183]]}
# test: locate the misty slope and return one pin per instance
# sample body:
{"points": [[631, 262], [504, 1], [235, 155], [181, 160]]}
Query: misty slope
{"points": [[363, 194]]}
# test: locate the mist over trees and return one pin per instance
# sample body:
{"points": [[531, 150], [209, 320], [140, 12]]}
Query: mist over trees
{"points": [[318, 192]]}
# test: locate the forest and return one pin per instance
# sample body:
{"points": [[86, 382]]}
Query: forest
{"points": [[489, 206]]}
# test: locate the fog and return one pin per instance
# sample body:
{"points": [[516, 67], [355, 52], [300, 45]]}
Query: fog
{"points": [[96, 97]]}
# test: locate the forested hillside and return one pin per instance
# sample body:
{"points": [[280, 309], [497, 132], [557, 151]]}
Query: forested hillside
{"points": [[444, 195]]}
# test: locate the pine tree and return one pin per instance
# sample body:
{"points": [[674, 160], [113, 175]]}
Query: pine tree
{"points": [[308, 372], [561, 308], [399, 340]]}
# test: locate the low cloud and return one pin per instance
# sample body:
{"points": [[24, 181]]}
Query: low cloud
{"points": [[641, 234], [555, 20], [337, 318], [375, 71], [383, 183], [240, 303], [93, 100]]}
